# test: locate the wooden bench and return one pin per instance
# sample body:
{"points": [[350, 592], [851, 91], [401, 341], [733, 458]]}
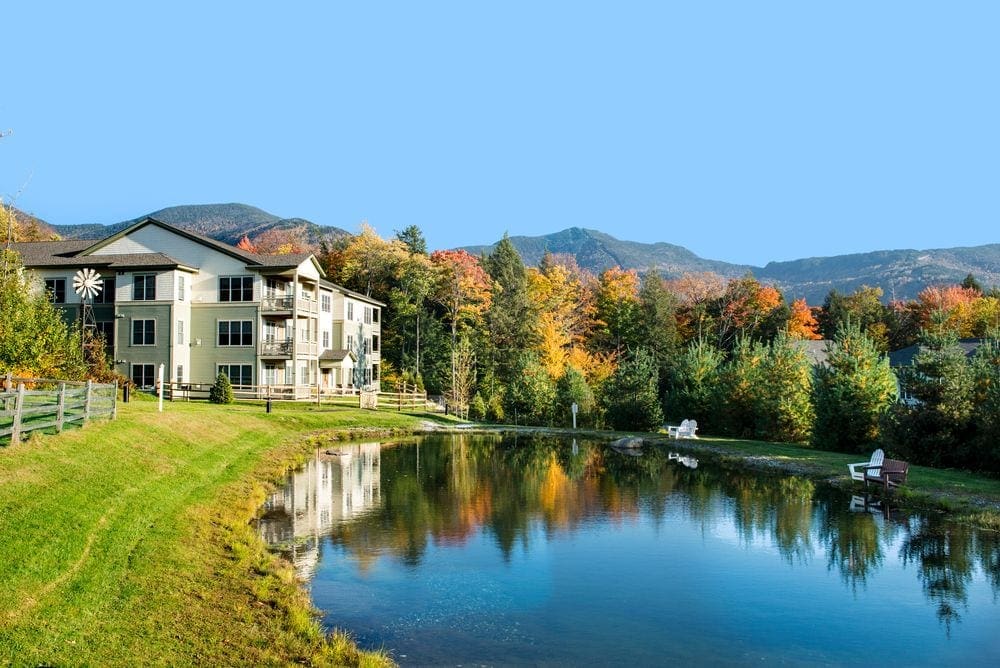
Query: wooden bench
{"points": [[892, 473]]}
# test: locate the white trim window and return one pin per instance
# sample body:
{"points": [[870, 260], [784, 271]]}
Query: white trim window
{"points": [[143, 332], [143, 287], [350, 310], [180, 332], [180, 287], [368, 315], [144, 376], [235, 333], [235, 288], [326, 303], [238, 374], [55, 288]]}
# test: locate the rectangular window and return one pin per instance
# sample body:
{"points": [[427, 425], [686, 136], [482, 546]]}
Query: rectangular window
{"points": [[143, 332], [235, 332], [375, 315], [375, 375], [350, 311], [180, 332], [180, 287], [368, 315], [350, 342], [374, 343], [326, 303], [56, 290], [270, 374], [326, 339], [236, 288], [238, 374], [367, 346], [107, 293], [144, 287], [180, 373], [144, 376]]}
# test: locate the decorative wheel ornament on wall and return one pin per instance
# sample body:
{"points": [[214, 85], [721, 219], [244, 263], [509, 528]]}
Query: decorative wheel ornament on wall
{"points": [[87, 283]]}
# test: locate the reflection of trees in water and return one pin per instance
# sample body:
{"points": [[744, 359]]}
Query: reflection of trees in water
{"points": [[449, 488], [944, 556], [853, 541]]}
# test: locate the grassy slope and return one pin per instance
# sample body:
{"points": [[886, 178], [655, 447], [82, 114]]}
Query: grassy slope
{"points": [[128, 542]]}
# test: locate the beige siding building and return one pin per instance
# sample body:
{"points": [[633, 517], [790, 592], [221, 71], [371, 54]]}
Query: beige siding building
{"points": [[201, 307]]}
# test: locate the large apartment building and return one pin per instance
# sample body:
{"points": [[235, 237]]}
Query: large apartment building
{"points": [[201, 307]]}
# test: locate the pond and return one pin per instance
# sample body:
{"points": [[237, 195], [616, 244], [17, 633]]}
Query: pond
{"points": [[490, 549]]}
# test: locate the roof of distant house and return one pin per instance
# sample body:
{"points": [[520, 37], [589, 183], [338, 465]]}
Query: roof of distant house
{"points": [[904, 356]]}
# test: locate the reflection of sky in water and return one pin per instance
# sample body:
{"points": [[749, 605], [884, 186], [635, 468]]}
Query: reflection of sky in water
{"points": [[635, 566]]}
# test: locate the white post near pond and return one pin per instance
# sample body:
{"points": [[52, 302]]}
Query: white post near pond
{"points": [[160, 385], [575, 408]]}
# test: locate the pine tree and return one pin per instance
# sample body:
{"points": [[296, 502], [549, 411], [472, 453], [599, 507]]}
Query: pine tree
{"points": [[509, 317], [851, 392], [222, 390], [630, 397]]}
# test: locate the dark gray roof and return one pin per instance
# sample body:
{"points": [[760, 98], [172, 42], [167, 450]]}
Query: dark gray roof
{"points": [[68, 253], [33, 252], [904, 356]]}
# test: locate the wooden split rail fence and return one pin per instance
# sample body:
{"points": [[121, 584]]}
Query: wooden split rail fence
{"points": [[403, 398], [51, 404]]}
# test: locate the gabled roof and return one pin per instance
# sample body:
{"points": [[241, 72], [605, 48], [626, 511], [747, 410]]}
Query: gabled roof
{"points": [[815, 351], [337, 356], [79, 252], [200, 238], [357, 295]]}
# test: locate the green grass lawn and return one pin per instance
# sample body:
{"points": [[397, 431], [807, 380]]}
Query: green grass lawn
{"points": [[128, 542]]}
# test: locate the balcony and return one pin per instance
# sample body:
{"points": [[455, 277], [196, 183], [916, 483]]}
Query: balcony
{"points": [[276, 305], [276, 348]]}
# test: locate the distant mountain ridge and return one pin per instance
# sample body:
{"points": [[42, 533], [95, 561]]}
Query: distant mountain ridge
{"points": [[901, 274], [224, 222]]}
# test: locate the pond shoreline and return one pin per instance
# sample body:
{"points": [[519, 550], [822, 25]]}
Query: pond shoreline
{"points": [[979, 509]]}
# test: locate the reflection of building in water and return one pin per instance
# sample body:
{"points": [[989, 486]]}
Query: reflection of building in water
{"points": [[333, 487]]}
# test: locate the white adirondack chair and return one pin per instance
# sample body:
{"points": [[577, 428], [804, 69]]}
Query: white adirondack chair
{"points": [[872, 466], [686, 429]]}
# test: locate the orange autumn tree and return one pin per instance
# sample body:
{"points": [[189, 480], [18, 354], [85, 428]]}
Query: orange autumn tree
{"points": [[802, 323], [461, 288]]}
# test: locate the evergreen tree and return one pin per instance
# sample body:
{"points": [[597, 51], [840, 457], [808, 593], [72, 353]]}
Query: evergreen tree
{"points": [[222, 390], [740, 381], [933, 428], [851, 392], [572, 388], [983, 450], [509, 318], [630, 397], [414, 239], [693, 392], [360, 358], [531, 398], [784, 405], [658, 323]]}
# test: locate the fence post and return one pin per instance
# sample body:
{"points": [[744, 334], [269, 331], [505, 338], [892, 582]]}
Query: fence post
{"points": [[114, 401], [87, 400], [8, 382], [61, 409], [15, 429]]}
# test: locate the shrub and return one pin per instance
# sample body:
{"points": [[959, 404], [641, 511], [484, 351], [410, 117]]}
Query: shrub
{"points": [[222, 391]]}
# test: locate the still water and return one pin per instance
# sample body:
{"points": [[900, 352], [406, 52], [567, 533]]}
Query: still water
{"points": [[490, 550]]}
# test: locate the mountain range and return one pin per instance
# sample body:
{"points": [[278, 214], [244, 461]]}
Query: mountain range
{"points": [[900, 273], [224, 222]]}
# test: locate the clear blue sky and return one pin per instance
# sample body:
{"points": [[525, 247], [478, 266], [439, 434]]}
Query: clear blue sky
{"points": [[745, 131]]}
